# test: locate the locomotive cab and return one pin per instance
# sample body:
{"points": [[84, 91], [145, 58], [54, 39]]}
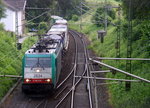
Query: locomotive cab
{"points": [[37, 73], [42, 65]]}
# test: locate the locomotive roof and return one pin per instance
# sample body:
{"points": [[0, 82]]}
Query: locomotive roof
{"points": [[49, 48], [56, 17], [54, 32], [31, 51], [54, 37], [62, 21], [59, 26], [58, 29]]}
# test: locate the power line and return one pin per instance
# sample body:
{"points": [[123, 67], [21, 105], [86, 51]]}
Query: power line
{"points": [[35, 8], [34, 18], [29, 15], [38, 16]]}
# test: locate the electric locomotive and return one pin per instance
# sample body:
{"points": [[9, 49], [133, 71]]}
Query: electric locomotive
{"points": [[42, 65]]}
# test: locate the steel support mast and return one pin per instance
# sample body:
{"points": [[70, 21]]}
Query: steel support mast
{"points": [[118, 33], [129, 46]]}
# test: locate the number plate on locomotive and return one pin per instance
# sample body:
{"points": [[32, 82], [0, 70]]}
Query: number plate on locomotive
{"points": [[37, 75]]}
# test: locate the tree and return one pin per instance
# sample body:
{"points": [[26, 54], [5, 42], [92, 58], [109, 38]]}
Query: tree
{"points": [[99, 16], [42, 28], [39, 4], [70, 7], [140, 9], [2, 9]]}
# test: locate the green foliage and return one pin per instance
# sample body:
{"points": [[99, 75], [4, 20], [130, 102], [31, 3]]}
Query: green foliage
{"points": [[99, 16], [42, 28], [140, 9], [2, 9], [39, 4], [70, 7], [10, 58], [140, 34], [43, 25], [75, 18], [139, 96], [31, 25]]}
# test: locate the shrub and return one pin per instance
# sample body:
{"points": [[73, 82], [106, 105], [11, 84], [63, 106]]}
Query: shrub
{"points": [[99, 16], [75, 18]]}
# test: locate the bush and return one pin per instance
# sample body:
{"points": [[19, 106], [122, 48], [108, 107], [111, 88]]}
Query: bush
{"points": [[99, 16], [75, 18], [11, 59], [43, 25], [42, 28]]}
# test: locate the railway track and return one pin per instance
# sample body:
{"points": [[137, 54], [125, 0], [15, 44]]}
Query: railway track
{"points": [[81, 88], [71, 92]]}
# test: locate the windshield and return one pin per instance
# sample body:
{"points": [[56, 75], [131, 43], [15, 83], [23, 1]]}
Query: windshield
{"points": [[38, 62]]}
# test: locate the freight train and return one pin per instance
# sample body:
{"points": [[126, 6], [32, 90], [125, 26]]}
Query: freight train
{"points": [[41, 64]]}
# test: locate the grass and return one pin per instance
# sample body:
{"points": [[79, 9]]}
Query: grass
{"points": [[139, 95], [11, 59]]}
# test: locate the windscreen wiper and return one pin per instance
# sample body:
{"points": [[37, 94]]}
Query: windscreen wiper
{"points": [[38, 65]]}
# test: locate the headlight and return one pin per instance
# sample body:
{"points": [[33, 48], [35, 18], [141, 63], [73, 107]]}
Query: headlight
{"points": [[27, 80], [48, 80], [38, 70]]}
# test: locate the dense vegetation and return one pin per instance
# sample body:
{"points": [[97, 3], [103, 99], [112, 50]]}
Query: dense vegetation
{"points": [[139, 95], [64, 8], [70, 8], [10, 62], [1, 9], [99, 16]]}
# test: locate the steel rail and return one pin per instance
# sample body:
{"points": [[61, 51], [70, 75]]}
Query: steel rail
{"points": [[10, 92], [74, 79], [75, 64], [86, 60], [121, 71], [74, 83], [66, 78], [93, 82], [72, 71], [105, 58], [60, 92], [112, 79], [89, 85], [39, 103], [78, 81]]}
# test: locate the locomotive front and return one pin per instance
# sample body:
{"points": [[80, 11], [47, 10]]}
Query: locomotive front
{"points": [[37, 73]]}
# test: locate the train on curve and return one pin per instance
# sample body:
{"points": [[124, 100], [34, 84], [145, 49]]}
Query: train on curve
{"points": [[41, 64]]}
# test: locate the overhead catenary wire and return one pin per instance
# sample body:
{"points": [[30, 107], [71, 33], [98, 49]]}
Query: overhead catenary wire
{"points": [[86, 6], [121, 71], [36, 8], [9, 54], [10, 64], [5, 68], [34, 18], [29, 15]]}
